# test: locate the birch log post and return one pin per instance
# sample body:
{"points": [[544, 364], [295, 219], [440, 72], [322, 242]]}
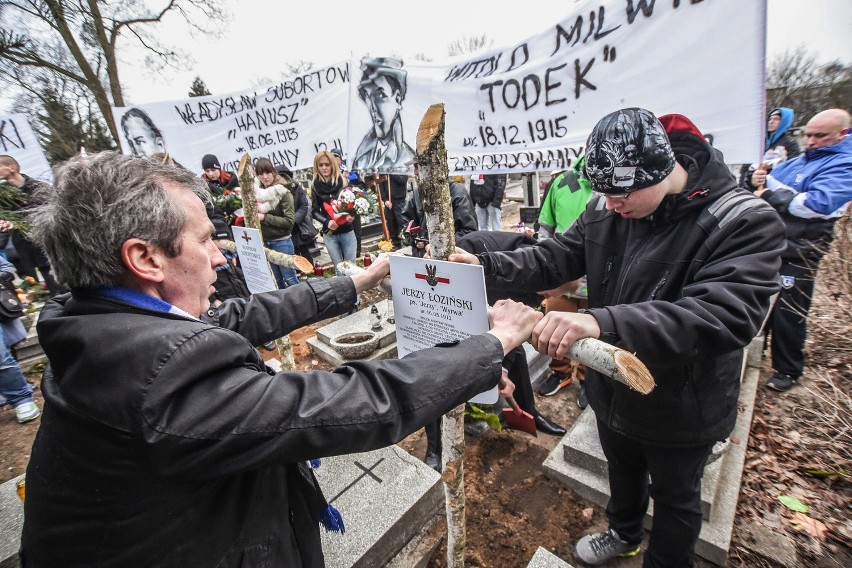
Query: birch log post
{"points": [[431, 156], [614, 362], [247, 185], [294, 261]]}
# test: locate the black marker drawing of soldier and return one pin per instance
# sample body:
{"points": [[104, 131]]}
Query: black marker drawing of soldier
{"points": [[382, 88], [143, 136]]}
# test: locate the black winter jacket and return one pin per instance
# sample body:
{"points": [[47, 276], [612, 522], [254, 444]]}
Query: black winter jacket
{"points": [[464, 219], [398, 189], [679, 289], [304, 231], [489, 193], [166, 441], [325, 193]]}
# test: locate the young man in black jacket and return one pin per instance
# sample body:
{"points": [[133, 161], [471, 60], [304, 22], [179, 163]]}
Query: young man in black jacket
{"points": [[681, 267]]}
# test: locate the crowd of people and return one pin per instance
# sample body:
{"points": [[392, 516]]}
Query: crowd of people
{"points": [[647, 242]]}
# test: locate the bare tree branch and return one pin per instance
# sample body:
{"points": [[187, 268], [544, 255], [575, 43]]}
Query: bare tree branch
{"points": [[79, 40]]}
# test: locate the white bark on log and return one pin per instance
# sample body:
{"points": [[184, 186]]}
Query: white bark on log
{"points": [[613, 362], [247, 185], [435, 195], [273, 256]]}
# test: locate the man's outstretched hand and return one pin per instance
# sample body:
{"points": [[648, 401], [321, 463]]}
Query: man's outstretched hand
{"points": [[460, 255], [373, 275], [512, 323]]}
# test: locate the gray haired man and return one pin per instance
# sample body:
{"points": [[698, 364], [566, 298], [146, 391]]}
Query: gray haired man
{"points": [[165, 439]]}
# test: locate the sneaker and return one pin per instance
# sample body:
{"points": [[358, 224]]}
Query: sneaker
{"points": [[781, 382], [582, 401], [26, 412], [553, 383], [598, 548]]}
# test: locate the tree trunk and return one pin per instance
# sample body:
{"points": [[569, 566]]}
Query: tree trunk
{"points": [[92, 81], [274, 257], [437, 205], [613, 362], [247, 185]]}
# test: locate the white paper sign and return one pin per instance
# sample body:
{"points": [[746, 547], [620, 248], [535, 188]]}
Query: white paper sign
{"points": [[253, 260], [18, 140], [437, 302]]}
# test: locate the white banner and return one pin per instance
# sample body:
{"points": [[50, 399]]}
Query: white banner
{"points": [[524, 107], [288, 123], [18, 140]]}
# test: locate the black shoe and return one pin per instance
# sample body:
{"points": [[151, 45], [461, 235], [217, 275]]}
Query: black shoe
{"points": [[582, 401], [781, 382], [433, 460], [545, 426], [553, 383]]}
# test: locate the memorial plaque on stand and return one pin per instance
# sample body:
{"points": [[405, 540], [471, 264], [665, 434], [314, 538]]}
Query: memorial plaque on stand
{"points": [[437, 302]]}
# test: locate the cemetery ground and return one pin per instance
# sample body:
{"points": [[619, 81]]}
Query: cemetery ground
{"points": [[800, 446]]}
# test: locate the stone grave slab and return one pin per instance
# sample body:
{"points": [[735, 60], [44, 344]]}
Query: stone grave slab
{"points": [[573, 464], [386, 497], [543, 558], [28, 352], [11, 523], [359, 321], [538, 364], [583, 449]]}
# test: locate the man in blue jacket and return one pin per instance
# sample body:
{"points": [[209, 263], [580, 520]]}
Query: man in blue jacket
{"points": [[810, 192]]}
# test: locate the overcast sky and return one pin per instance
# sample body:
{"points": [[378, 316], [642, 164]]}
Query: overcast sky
{"points": [[260, 38], [263, 37]]}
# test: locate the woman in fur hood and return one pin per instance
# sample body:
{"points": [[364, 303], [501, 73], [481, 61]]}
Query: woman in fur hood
{"points": [[276, 215]]}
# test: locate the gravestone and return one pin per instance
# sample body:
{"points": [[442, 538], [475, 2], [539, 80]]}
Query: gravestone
{"points": [[545, 559], [387, 497], [360, 321], [578, 463], [28, 352], [11, 523]]}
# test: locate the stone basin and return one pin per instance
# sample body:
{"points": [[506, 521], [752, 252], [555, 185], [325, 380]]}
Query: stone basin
{"points": [[356, 344]]}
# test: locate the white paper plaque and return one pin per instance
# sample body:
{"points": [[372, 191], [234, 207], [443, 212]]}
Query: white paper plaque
{"points": [[253, 260], [436, 302]]}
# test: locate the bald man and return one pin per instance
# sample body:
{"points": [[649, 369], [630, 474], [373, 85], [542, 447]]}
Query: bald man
{"points": [[30, 256], [810, 192]]}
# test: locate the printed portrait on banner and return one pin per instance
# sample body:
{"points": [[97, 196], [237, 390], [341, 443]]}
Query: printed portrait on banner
{"points": [[382, 89]]}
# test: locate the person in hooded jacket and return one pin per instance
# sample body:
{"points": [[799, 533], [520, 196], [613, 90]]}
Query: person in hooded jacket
{"points": [[778, 134], [780, 143], [810, 193], [681, 267]]}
